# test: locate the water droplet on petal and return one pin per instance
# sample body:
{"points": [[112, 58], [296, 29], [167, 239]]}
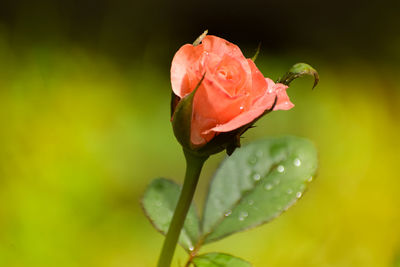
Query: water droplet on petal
{"points": [[229, 212], [268, 187], [241, 107], [289, 191], [269, 91], [299, 194], [280, 169], [297, 162], [256, 177], [243, 215]]}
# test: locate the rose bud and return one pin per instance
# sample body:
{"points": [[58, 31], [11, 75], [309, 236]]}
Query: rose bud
{"points": [[218, 94]]}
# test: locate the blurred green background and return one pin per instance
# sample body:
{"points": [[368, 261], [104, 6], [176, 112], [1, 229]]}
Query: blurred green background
{"points": [[84, 115]]}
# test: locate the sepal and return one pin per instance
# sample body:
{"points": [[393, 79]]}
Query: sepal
{"points": [[182, 117], [298, 70]]}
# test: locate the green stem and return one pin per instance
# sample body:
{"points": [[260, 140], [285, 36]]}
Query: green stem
{"points": [[194, 164]]}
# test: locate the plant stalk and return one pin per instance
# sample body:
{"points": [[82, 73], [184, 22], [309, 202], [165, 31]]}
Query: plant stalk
{"points": [[194, 165]]}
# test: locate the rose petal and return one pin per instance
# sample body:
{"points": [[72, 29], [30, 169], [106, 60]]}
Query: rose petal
{"points": [[259, 84], [283, 102], [263, 104], [212, 107], [238, 121], [260, 106], [221, 47], [230, 75], [187, 56]]}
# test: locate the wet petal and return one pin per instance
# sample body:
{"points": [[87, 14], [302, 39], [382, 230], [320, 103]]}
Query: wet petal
{"points": [[185, 59]]}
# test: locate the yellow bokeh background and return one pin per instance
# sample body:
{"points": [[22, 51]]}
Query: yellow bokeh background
{"points": [[82, 135]]}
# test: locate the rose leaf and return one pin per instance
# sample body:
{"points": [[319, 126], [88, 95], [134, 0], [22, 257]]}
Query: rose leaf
{"points": [[219, 260], [159, 202], [256, 184]]}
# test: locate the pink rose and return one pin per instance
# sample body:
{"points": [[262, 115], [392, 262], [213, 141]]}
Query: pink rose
{"points": [[233, 93]]}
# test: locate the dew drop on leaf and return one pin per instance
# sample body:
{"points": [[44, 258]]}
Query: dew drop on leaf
{"points": [[243, 215], [268, 187], [253, 160], [297, 162], [256, 177], [280, 169], [229, 212]]}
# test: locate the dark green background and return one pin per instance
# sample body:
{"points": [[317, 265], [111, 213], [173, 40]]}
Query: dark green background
{"points": [[84, 116]]}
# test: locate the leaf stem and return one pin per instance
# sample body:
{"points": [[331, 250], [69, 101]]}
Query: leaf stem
{"points": [[194, 165]]}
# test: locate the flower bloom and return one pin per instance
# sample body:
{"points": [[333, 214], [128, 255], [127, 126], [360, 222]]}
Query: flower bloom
{"points": [[233, 92]]}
